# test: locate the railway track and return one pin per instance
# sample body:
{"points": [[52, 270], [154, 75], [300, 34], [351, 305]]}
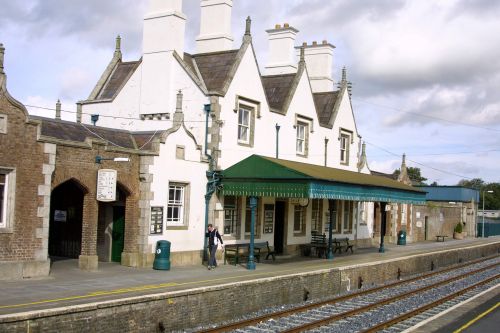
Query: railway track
{"points": [[390, 307]]}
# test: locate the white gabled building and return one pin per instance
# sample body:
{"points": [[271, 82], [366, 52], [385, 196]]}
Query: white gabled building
{"points": [[289, 110]]}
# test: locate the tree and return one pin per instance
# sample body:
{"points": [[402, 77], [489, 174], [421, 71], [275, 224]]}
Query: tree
{"points": [[491, 200], [476, 183], [414, 174]]}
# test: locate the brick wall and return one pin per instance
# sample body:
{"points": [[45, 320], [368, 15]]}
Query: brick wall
{"points": [[78, 164], [20, 151]]}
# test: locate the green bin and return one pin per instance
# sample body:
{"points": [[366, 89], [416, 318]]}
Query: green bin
{"points": [[402, 237], [162, 255]]}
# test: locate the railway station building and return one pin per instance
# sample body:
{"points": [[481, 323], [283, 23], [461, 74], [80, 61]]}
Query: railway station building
{"points": [[174, 140]]}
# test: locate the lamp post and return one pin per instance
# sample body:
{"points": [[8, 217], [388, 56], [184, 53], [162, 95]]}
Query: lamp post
{"points": [[489, 191]]}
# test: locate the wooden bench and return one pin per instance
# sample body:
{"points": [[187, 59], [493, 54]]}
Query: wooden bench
{"points": [[440, 238], [263, 248], [235, 253], [342, 243], [317, 246]]}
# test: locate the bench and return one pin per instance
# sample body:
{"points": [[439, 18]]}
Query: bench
{"points": [[318, 244], [236, 252], [440, 238], [342, 243], [263, 248]]}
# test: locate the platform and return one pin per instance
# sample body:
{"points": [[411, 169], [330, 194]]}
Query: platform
{"points": [[67, 286]]}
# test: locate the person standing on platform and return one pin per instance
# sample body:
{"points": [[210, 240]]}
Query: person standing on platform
{"points": [[214, 238]]}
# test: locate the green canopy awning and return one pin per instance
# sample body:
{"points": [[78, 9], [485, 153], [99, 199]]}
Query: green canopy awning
{"points": [[269, 177]]}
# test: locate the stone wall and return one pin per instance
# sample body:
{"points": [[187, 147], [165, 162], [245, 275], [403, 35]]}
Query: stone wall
{"points": [[190, 308], [23, 243]]}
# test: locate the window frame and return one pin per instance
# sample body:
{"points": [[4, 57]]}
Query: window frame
{"points": [[304, 140], [254, 107], [183, 215], [302, 210], [8, 201], [243, 109], [346, 138], [234, 228], [317, 215], [347, 217]]}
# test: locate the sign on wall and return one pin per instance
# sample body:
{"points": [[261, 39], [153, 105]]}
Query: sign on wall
{"points": [[268, 219], [60, 215], [106, 185]]}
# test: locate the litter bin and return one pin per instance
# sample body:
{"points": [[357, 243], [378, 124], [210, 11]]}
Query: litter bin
{"points": [[162, 255], [402, 237]]}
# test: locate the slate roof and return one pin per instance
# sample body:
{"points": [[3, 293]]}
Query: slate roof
{"points": [[76, 132], [117, 79], [325, 103], [277, 88], [215, 67]]}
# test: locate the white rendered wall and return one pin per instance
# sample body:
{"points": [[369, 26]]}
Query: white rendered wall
{"points": [[125, 110], [167, 168]]}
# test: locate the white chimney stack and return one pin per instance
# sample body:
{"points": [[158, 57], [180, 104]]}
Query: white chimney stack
{"points": [[215, 26], [164, 26], [319, 62], [282, 58]]}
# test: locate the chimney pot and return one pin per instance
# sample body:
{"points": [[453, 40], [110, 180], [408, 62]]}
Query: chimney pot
{"points": [[277, 26], [304, 44], [315, 43], [286, 25], [324, 41]]}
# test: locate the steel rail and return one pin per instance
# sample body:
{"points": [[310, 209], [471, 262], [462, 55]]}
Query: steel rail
{"points": [[428, 306], [302, 308], [330, 319]]}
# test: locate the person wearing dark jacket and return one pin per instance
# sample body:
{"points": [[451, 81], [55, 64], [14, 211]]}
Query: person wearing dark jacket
{"points": [[214, 239]]}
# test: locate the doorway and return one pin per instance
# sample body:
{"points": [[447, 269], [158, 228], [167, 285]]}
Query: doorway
{"points": [[111, 228], [279, 227], [65, 224]]}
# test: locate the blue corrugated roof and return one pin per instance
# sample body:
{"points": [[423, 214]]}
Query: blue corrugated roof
{"points": [[450, 193]]}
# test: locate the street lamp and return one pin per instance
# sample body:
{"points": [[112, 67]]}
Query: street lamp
{"points": [[489, 191]]}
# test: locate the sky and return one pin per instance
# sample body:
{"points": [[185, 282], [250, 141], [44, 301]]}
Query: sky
{"points": [[425, 74]]}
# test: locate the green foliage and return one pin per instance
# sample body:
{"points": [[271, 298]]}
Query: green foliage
{"points": [[491, 200], [414, 174], [459, 228]]}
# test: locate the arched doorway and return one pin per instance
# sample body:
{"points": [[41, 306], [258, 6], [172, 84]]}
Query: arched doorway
{"points": [[66, 214], [111, 227]]}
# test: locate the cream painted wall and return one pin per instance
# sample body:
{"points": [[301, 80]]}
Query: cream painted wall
{"points": [[167, 168]]}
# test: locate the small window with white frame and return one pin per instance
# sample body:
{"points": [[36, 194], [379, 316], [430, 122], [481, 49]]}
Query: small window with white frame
{"points": [[177, 212], [7, 192], [345, 139], [247, 110], [301, 139], [244, 116]]}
